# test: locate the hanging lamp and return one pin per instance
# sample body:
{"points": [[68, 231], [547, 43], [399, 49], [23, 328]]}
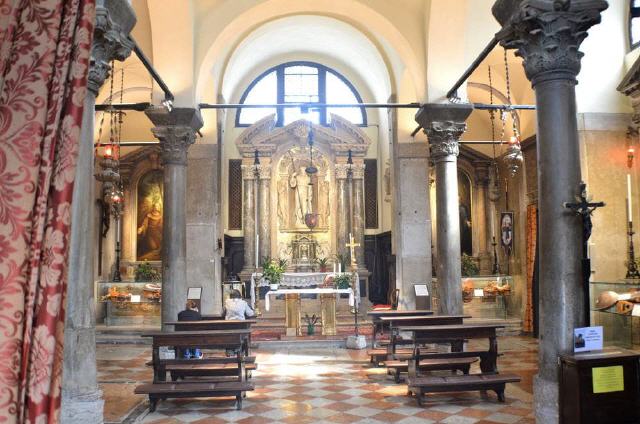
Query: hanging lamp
{"points": [[513, 157]]}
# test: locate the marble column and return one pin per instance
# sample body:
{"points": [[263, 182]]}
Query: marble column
{"points": [[547, 35], [81, 397], [483, 215], [264, 211], [358, 218], [444, 124], [343, 207], [412, 219], [176, 131], [249, 218]]}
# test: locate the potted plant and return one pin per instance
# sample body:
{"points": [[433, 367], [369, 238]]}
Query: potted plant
{"points": [[341, 259], [311, 323], [343, 281], [468, 266], [144, 272], [272, 271], [323, 264]]}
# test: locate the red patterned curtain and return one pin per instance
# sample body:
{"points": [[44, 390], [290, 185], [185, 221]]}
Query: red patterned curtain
{"points": [[44, 61], [532, 239]]}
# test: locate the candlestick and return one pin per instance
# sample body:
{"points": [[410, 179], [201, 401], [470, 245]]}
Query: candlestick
{"points": [[632, 269], [629, 207]]}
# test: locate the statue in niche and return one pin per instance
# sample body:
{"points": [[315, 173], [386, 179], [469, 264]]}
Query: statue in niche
{"points": [[149, 228]]}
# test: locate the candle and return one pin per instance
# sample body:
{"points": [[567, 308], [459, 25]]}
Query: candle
{"points": [[629, 208], [339, 268], [334, 267], [493, 223]]}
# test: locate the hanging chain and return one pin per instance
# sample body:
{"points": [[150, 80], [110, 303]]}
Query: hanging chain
{"points": [[508, 80], [492, 115]]}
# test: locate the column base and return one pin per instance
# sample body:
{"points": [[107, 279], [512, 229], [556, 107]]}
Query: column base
{"points": [[84, 408], [546, 400]]}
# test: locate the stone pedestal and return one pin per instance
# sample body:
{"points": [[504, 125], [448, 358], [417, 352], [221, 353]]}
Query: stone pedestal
{"points": [[412, 230], [176, 131], [81, 397], [444, 124], [547, 36]]}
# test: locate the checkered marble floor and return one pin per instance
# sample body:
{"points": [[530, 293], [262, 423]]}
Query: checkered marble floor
{"points": [[333, 385]]}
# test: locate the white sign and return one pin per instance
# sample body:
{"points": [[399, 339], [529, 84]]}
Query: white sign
{"points": [[635, 311], [478, 293], [135, 298], [421, 290], [587, 338], [194, 293], [166, 353]]}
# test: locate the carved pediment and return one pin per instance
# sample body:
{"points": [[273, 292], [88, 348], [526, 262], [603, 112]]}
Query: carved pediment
{"points": [[341, 136]]}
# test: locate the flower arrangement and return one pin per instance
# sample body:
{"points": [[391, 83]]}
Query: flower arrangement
{"points": [[311, 323], [272, 271]]}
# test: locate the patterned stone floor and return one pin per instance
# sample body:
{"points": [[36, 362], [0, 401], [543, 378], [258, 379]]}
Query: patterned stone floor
{"points": [[320, 385]]}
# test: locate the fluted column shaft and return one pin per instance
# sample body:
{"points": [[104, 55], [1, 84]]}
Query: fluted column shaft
{"points": [[547, 35], [444, 124], [81, 397], [176, 131], [358, 221], [343, 207], [264, 214], [249, 217]]}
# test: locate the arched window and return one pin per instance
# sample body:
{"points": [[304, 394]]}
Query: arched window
{"points": [[634, 23], [301, 82]]}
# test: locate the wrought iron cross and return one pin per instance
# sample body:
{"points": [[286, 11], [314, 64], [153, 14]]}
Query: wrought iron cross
{"points": [[585, 208]]}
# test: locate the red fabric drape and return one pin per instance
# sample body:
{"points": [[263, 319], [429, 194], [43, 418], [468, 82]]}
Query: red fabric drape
{"points": [[532, 239], [44, 60]]}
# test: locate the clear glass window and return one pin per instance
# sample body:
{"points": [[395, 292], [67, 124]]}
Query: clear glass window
{"points": [[265, 91]]}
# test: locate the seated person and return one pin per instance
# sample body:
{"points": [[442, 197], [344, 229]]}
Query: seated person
{"points": [[191, 313], [236, 308]]}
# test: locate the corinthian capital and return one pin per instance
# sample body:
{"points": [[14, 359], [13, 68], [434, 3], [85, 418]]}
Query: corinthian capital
{"points": [[547, 34], [114, 21], [176, 131], [444, 124], [342, 170]]}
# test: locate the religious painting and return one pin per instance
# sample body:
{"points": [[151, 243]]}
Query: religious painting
{"points": [[149, 219], [506, 232], [464, 197]]}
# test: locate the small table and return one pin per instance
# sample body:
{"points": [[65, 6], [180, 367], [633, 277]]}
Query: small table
{"points": [[394, 323], [378, 324], [292, 310]]}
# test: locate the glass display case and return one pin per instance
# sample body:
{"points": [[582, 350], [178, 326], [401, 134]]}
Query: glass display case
{"points": [[489, 297], [612, 306], [128, 303]]}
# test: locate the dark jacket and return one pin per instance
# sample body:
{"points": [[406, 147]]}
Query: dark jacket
{"points": [[189, 315]]}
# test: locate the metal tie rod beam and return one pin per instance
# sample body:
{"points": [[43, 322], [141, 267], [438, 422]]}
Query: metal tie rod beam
{"points": [[168, 95], [453, 93], [308, 106], [139, 107]]}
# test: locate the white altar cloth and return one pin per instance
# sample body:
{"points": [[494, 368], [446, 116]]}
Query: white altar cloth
{"points": [[295, 279], [352, 298]]}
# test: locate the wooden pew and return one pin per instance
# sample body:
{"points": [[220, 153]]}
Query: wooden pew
{"points": [[378, 325], [490, 379], [207, 325], [211, 339]]}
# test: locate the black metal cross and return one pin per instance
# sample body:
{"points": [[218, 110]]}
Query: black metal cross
{"points": [[585, 209]]}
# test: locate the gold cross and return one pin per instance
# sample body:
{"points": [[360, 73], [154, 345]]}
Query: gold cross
{"points": [[352, 247]]}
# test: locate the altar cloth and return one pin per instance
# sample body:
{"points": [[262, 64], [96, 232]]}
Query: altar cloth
{"points": [[295, 279], [352, 298]]}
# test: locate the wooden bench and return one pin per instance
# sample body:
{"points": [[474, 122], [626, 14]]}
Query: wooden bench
{"points": [[164, 390], [454, 364], [213, 366], [212, 387], [217, 324], [378, 325], [488, 380], [380, 354], [457, 383]]}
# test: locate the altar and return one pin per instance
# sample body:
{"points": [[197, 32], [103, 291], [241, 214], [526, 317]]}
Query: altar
{"points": [[295, 284], [293, 307]]}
